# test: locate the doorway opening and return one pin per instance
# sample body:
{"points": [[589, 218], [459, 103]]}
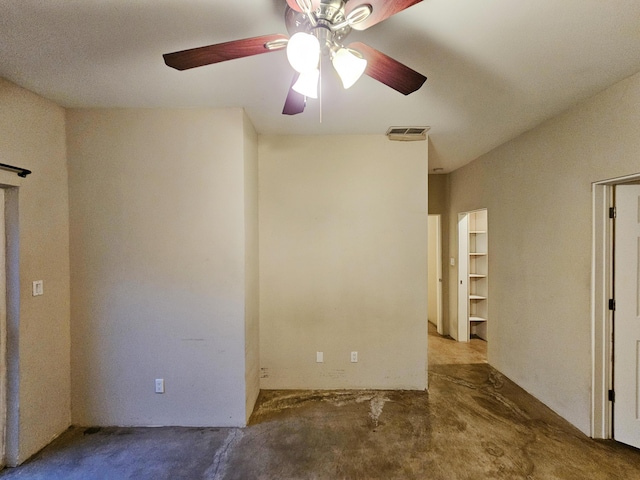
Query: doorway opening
{"points": [[9, 325], [434, 276], [9, 300], [444, 349], [615, 293], [3, 333]]}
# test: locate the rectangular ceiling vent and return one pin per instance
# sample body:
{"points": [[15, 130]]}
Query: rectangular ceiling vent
{"points": [[407, 134]]}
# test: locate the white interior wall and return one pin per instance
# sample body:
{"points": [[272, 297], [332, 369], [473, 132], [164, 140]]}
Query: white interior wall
{"points": [[252, 280], [32, 135], [537, 189], [343, 262], [159, 221]]}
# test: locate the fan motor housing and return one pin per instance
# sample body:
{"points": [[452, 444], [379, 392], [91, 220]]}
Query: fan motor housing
{"points": [[329, 13]]}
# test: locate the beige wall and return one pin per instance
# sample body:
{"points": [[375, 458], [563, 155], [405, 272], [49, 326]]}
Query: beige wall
{"points": [[252, 281], [537, 189], [165, 259], [343, 262], [32, 135], [159, 220]]}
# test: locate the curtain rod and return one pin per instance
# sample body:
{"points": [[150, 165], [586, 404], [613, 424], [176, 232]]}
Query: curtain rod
{"points": [[22, 172]]}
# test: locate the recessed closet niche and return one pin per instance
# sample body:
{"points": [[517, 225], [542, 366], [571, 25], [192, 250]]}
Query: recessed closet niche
{"points": [[473, 293]]}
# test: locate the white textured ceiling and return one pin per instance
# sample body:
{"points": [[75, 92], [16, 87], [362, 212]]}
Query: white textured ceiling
{"points": [[495, 68]]}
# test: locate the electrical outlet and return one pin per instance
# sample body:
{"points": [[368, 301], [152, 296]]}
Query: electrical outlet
{"points": [[354, 357], [319, 357], [159, 385]]}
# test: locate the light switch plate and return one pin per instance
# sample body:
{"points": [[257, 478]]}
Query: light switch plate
{"points": [[159, 385], [37, 288]]}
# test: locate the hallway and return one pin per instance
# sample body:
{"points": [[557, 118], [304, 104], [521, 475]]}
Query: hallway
{"points": [[446, 351], [472, 424]]}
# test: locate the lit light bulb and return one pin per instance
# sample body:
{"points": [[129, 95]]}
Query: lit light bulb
{"points": [[349, 65], [307, 83], [303, 52]]}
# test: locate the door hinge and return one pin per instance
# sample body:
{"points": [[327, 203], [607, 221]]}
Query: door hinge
{"points": [[612, 304], [612, 212], [612, 396]]}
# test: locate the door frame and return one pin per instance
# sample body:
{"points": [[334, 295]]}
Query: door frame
{"points": [[12, 245], [3, 331], [462, 331], [602, 194]]}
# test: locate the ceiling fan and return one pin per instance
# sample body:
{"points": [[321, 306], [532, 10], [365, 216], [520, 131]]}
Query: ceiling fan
{"points": [[316, 28]]}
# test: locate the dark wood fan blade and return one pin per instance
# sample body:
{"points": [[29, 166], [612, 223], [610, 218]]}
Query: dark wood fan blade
{"points": [[295, 101], [389, 71], [382, 9], [220, 52]]}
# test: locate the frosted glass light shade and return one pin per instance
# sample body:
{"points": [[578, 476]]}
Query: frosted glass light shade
{"points": [[307, 83], [349, 65], [303, 52]]}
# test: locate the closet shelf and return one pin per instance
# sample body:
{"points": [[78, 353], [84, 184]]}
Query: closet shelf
{"points": [[474, 246]]}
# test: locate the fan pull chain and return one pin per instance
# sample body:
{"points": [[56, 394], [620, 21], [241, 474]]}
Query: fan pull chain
{"points": [[320, 88]]}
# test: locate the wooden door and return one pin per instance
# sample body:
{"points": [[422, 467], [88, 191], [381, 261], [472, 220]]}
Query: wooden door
{"points": [[626, 336], [463, 278]]}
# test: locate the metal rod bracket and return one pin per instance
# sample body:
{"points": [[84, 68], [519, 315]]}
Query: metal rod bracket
{"points": [[22, 172]]}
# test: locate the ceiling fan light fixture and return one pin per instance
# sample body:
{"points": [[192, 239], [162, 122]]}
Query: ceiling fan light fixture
{"points": [[305, 5], [359, 14], [303, 52], [307, 8], [350, 66], [307, 83], [317, 28]]}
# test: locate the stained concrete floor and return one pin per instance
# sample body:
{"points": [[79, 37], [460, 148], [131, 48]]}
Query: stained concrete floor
{"points": [[473, 424], [446, 351]]}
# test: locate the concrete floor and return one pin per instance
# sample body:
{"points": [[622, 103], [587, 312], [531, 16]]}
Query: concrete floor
{"points": [[446, 351], [473, 424]]}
